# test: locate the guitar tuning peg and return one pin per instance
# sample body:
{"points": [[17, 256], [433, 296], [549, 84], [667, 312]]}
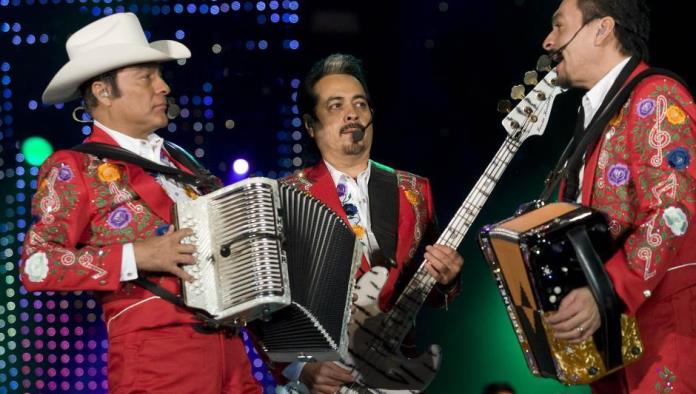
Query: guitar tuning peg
{"points": [[544, 63], [517, 92], [504, 106], [531, 78]]}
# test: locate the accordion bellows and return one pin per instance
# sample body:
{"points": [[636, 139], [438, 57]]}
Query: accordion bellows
{"points": [[270, 252]]}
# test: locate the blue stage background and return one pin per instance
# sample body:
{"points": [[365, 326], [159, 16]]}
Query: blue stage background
{"points": [[436, 70]]}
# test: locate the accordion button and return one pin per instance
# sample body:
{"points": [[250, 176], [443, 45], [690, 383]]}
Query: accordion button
{"points": [[647, 293]]}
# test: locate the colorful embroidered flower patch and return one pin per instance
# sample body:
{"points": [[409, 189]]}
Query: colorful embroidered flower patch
{"points": [[618, 174], [646, 107], [65, 173], [108, 172], [341, 189], [119, 218], [616, 119], [36, 267], [675, 115], [358, 230], [678, 158], [412, 197], [676, 220], [351, 209]]}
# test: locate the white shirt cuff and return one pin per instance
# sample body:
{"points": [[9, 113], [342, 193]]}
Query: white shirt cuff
{"points": [[129, 271], [292, 371]]}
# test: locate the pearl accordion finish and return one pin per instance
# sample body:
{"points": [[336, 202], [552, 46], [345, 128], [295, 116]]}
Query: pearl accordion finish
{"points": [[271, 252]]}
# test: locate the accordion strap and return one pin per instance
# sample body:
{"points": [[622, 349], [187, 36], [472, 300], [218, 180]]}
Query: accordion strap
{"points": [[209, 323], [608, 340], [575, 151], [201, 178]]}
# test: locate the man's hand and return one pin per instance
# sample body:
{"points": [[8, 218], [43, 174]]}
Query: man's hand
{"points": [[324, 377], [165, 253], [577, 317], [444, 263]]}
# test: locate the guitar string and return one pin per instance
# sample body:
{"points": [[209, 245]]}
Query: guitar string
{"points": [[499, 163], [464, 214]]}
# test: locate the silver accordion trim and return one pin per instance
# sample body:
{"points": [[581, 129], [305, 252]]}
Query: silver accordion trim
{"points": [[270, 252]]}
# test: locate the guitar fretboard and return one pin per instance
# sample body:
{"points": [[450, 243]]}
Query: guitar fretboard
{"points": [[412, 298]]}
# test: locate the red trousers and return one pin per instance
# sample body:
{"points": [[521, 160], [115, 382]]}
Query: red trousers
{"points": [[179, 360], [668, 331]]}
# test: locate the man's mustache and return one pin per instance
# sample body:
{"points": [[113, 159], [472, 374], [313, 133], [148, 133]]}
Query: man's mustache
{"points": [[358, 133]]}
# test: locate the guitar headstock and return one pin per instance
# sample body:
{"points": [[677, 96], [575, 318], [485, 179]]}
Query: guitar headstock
{"points": [[531, 115]]}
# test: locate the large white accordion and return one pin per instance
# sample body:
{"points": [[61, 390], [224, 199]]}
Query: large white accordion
{"points": [[271, 252]]}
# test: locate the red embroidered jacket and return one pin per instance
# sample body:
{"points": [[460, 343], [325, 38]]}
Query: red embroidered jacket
{"points": [[85, 209], [642, 176]]}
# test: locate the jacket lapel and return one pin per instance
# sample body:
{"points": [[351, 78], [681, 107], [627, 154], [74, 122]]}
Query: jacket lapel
{"points": [[144, 184]]}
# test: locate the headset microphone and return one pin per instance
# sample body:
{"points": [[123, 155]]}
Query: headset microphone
{"points": [[556, 55], [173, 110], [358, 135]]}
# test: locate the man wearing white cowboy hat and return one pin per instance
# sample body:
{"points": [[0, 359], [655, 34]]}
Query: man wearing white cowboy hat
{"points": [[103, 222]]}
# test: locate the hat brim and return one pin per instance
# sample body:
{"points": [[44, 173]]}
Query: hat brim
{"points": [[65, 84]]}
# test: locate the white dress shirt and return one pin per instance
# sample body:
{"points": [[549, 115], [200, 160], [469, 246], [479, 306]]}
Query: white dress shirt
{"points": [[591, 102], [359, 189], [151, 149]]}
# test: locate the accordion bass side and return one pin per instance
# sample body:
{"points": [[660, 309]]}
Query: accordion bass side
{"points": [[272, 253], [537, 258]]}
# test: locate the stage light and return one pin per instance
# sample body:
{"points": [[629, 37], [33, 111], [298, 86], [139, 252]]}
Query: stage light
{"points": [[36, 150], [240, 166]]}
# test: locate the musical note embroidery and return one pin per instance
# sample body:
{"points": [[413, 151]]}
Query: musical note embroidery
{"points": [[602, 165], [654, 238], [86, 261], [67, 259], [667, 187], [645, 254], [659, 138], [50, 203], [122, 195]]}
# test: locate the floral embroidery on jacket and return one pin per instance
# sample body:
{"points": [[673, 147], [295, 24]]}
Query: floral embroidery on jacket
{"points": [[408, 183], [666, 382], [642, 179]]}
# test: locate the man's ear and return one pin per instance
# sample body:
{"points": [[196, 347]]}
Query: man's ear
{"points": [[606, 26], [102, 92], [308, 124]]}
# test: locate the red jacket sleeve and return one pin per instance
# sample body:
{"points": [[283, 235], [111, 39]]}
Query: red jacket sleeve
{"points": [[53, 256]]}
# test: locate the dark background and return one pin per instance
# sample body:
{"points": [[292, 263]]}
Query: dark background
{"points": [[436, 70]]}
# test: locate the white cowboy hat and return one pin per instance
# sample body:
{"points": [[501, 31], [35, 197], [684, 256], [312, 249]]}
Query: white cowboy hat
{"points": [[106, 44]]}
